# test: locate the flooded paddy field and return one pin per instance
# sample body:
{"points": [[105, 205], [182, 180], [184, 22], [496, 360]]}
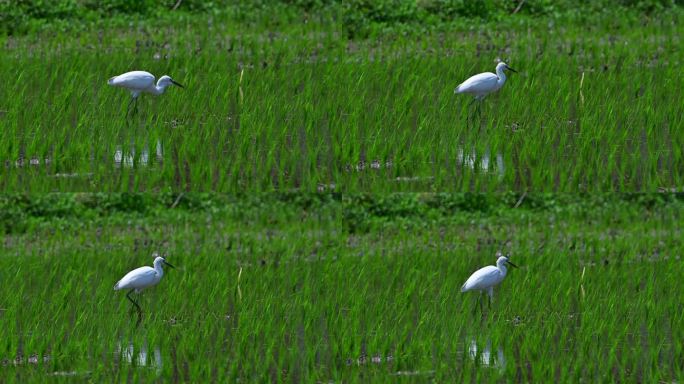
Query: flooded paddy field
{"points": [[593, 108], [324, 195], [332, 288]]}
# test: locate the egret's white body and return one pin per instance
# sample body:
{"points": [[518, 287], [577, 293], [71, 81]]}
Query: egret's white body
{"points": [[141, 278], [485, 279], [140, 81], [485, 83]]}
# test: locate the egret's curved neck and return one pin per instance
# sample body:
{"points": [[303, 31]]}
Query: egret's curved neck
{"points": [[502, 79], [158, 89], [160, 271], [503, 269]]}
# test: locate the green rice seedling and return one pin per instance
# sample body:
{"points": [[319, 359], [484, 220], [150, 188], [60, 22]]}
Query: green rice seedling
{"points": [[284, 287], [590, 110]]}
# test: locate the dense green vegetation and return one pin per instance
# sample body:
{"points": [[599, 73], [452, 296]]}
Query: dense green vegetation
{"points": [[311, 110], [358, 17], [275, 288], [356, 213], [324, 194]]}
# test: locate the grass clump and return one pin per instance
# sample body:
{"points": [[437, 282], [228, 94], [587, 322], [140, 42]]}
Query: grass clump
{"points": [[316, 111], [271, 288]]}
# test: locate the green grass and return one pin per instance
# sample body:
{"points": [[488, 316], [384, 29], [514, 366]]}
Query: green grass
{"points": [[300, 289], [317, 111], [362, 284]]}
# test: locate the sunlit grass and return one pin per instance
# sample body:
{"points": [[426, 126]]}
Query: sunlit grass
{"points": [[593, 109], [269, 290]]}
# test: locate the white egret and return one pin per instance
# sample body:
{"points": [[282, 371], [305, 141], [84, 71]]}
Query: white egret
{"points": [[485, 83], [485, 279], [141, 278], [140, 81]]}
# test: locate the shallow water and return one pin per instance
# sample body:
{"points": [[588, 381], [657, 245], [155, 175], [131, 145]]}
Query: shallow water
{"points": [[126, 156], [141, 159], [139, 356], [485, 356]]}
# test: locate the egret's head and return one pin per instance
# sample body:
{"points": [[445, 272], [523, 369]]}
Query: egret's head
{"points": [[504, 261], [165, 81], [501, 66], [160, 260]]}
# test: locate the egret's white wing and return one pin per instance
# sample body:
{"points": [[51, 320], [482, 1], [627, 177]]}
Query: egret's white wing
{"points": [[137, 278], [482, 278], [480, 83], [133, 80]]}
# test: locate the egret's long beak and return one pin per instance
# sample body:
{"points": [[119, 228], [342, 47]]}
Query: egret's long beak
{"points": [[180, 85], [169, 264], [511, 69], [511, 264]]}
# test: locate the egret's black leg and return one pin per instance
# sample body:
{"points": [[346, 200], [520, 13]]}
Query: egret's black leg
{"points": [[474, 308], [467, 116], [470, 107], [470, 116], [128, 296], [128, 108], [479, 301], [137, 307]]}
